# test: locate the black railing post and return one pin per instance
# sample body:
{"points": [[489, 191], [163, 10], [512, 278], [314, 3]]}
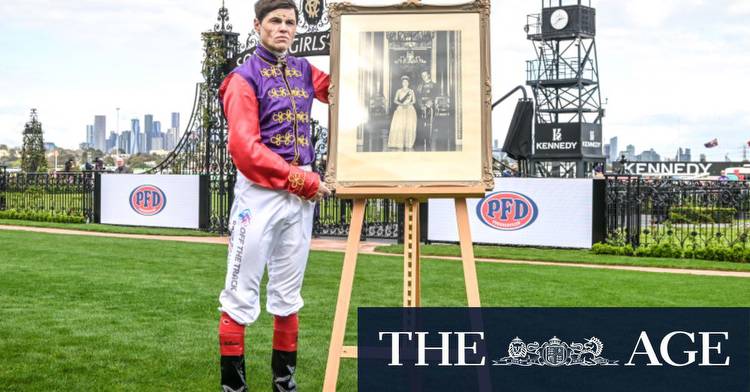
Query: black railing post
{"points": [[599, 209], [204, 201], [638, 207], [423, 221], [3, 186], [97, 197]]}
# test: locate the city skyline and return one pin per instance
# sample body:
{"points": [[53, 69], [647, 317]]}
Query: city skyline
{"points": [[667, 84], [132, 140]]}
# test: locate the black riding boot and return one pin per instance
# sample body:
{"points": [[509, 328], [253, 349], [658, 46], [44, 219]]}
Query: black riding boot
{"points": [[233, 374], [283, 364]]}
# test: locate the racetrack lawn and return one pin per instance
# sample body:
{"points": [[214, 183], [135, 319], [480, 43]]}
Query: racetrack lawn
{"points": [[109, 228], [580, 256], [82, 313]]}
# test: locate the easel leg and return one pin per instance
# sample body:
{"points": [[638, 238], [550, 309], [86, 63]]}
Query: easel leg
{"points": [[411, 254], [467, 253], [345, 292]]}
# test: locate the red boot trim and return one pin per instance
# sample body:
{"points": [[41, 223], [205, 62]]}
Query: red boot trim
{"points": [[285, 331], [231, 337]]}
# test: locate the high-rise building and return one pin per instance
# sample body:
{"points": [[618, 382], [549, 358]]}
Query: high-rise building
{"points": [[157, 128], [608, 153], [649, 156], [148, 130], [683, 155], [170, 139], [100, 133], [630, 152], [175, 120], [135, 140], [157, 143], [613, 149], [124, 142], [90, 135], [111, 142]]}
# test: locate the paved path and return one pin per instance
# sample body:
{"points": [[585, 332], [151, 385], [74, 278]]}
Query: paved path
{"points": [[333, 245]]}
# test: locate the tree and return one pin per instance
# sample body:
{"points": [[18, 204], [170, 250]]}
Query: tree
{"points": [[32, 153]]}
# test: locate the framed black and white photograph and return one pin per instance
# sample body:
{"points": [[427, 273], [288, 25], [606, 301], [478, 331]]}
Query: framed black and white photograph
{"points": [[410, 90], [410, 96]]}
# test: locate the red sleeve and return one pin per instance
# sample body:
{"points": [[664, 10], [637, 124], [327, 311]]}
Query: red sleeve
{"points": [[321, 81], [253, 158]]}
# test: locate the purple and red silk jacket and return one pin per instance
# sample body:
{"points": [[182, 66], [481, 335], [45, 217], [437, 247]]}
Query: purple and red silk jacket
{"points": [[267, 104]]}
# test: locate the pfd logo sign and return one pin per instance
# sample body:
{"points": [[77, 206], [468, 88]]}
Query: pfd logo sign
{"points": [[148, 200], [507, 211]]}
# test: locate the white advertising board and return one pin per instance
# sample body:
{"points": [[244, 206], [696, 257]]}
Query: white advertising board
{"points": [[522, 211], [150, 200]]}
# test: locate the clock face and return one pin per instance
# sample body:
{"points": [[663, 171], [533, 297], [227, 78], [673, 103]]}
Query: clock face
{"points": [[559, 19]]}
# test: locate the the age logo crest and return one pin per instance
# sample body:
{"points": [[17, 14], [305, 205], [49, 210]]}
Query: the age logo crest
{"points": [[555, 353]]}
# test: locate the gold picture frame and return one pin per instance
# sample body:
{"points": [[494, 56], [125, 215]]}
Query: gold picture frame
{"points": [[410, 100]]}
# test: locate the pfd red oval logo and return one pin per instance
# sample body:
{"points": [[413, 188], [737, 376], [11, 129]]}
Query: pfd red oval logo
{"points": [[507, 211], [148, 200]]}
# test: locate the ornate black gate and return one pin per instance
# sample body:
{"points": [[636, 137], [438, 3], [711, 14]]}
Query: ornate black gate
{"points": [[203, 147]]}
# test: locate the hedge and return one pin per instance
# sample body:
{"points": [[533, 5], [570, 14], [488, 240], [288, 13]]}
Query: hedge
{"points": [[687, 214], [41, 216]]}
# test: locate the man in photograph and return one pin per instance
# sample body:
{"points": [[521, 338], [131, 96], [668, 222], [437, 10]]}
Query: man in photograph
{"points": [[267, 102], [426, 93]]}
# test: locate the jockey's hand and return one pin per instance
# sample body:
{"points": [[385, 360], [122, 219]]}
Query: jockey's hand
{"points": [[323, 191]]}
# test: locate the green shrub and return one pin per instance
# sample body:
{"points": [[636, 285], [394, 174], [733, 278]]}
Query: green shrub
{"points": [[737, 253], [664, 249], [609, 249], [688, 214], [41, 216]]}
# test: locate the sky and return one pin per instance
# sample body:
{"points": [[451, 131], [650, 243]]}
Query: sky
{"points": [[673, 73]]}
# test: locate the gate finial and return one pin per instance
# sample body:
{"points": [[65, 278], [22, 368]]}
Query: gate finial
{"points": [[223, 26]]}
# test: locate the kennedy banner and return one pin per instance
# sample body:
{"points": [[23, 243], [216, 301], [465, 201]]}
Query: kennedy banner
{"points": [[567, 140], [693, 169], [552, 212], [553, 349], [152, 200]]}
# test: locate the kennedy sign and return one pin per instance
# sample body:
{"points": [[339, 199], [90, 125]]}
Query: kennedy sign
{"points": [[675, 168], [567, 140]]}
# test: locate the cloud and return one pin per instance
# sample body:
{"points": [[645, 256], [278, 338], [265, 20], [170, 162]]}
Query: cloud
{"points": [[738, 7]]}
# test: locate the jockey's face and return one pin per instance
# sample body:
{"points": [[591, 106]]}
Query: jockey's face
{"points": [[277, 29]]}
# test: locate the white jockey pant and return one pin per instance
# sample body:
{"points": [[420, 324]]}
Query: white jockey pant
{"points": [[268, 229]]}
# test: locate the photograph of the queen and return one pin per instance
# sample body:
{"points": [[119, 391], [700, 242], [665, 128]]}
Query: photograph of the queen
{"points": [[409, 88], [403, 132]]}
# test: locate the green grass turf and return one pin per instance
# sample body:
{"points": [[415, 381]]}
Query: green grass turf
{"points": [[581, 256], [83, 313], [108, 228]]}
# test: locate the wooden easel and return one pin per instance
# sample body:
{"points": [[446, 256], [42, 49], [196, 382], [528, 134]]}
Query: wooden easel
{"points": [[411, 292]]}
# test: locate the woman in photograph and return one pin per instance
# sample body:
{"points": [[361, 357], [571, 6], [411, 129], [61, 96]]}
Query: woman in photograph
{"points": [[403, 131]]}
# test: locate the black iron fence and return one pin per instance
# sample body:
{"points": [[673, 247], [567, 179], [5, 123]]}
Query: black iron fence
{"points": [[688, 214], [70, 194], [383, 219]]}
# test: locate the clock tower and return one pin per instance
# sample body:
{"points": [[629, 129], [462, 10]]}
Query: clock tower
{"points": [[565, 80]]}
